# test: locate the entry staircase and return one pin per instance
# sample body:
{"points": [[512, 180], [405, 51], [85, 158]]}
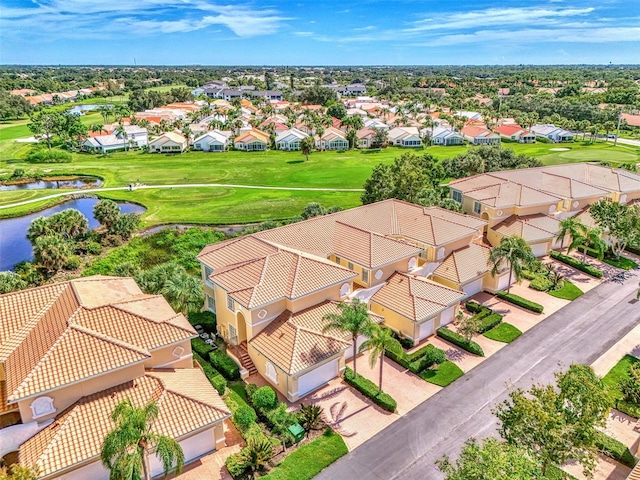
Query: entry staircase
{"points": [[245, 359]]}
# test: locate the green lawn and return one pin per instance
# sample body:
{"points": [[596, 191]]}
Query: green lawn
{"points": [[616, 374], [505, 332], [445, 374], [569, 291], [310, 459], [622, 262]]}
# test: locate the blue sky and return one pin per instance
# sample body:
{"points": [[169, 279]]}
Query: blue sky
{"points": [[300, 32]]}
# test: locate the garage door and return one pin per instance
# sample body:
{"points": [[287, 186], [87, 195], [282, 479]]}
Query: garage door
{"points": [[446, 317], [503, 282], [539, 249], [426, 329], [473, 288], [317, 377], [193, 447]]}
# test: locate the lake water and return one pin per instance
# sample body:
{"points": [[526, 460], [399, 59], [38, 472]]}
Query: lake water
{"points": [[14, 246], [79, 109], [79, 182]]}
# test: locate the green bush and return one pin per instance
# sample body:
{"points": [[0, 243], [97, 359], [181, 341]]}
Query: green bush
{"points": [[73, 263], [93, 248], [577, 264], [540, 283], [457, 339], [225, 365], [234, 401], [206, 319], [236, 464], [529, 275], [521, 302], [370, 390], [41, 155], [614, 449], [419, 360], [489, 322], [264, 398], [474, 307], [250, 388], [405, 342], [631, 409], [201, 347], [217, 380], [244, 416]]}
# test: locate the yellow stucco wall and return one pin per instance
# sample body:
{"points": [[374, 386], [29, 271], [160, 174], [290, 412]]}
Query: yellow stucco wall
{"points": [[165, 357], [394, 320]]}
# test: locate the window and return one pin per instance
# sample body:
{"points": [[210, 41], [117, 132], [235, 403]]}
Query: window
{"points": [[207, 273], [42, 406], [365, 275], [338, 260], [271, 373], [477, 207], [350, 266], [211, 303], [456, 195], [231, 304]]}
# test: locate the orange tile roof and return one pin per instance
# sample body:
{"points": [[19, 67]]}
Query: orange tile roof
{"points": [[295, 341], [415, 298], [57, 334], [186, 403], [251, 136], [532, 227], [465, 264]]}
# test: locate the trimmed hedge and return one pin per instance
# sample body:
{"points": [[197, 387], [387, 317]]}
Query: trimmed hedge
{"points": [[577, 264], [419, 360], [614, 449], [457, 339], [201, 347], [370, 389], [234, 401], [225, 365], [490, 322], [217, 380], [519, 301], [474, 307], [206, 319], [406, 343], [541, 284]]}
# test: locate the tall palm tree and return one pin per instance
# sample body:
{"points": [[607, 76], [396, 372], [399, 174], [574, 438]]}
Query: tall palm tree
{"points": [[120, 131], [514, 252], [568, 226], [125, 449], [380, 340], [588, 237], [353, 319], [307, 144]]}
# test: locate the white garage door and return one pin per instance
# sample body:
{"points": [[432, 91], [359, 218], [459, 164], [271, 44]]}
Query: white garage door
{"points": [[473, 288], [426, 329], [349, 353], [539, 249], [193, 447], [318, 377], [446, 317], [503, 282]]}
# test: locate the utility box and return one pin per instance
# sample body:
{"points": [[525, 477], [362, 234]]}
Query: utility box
{"points": [[297, 431]]}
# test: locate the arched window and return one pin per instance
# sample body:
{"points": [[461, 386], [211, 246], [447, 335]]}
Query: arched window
{"points": [[271, 373], [42, 406]]}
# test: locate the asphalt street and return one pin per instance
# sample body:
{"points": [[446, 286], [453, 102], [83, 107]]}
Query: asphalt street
{"points": [[578, 333]]}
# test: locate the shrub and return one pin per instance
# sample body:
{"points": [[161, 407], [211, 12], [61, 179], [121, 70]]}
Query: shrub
{"points": [[630, 385], [457, 339], [405, 342], [540, 283], [250, 388], [236, 464], [217, 380], [489, 322], [48, 156], [521, 302], [474, 307], [279, 420], [370, 390], [201, 347], [94, 248], [244, 416], [419, 360], [225, 365], [577, 264], [264, 398], [206, 319], [614, 449], [73, 263], [529, 275]]}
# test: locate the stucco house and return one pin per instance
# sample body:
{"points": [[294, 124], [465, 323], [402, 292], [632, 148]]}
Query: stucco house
{"points": [[332, 139], [405, 137], [213, 141], [71, 351], [443, 135], [170, 142], [290, 139], [252, 141], [515, 133], [104, 144], [553, 133], [479, 135]]}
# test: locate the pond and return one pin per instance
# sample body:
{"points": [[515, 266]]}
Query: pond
{"points": [[79, 182], [80, 109], [14, 246]]}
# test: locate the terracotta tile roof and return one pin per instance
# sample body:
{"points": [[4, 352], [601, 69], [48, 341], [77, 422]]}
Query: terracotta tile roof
{"points": [[252, 136], [234, 251], [57, 334], [532, 227], [367, 248], [294, 341], [414, 298], [465, 264], [186, 402]]}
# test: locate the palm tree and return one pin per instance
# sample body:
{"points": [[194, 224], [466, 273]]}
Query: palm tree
{"points": [[105, 111], [380, 340], [120, 131], [184, 292], [513, 251], [307, 144], [256, 454], [353, 319], [568, 226], [588, 237], [96, 128], [126, 447]]}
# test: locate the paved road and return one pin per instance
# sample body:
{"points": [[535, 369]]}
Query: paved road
{"points": [[626, 141], [184, 185], [578, 333]]}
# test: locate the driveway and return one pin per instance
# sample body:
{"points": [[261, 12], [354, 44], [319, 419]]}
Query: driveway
{"points": [[579, 333]]}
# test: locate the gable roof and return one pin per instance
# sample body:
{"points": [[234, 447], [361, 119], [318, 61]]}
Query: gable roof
{"points": [[415, 298], [465, 264], [186, 403], [252, 135], [532, 228]]}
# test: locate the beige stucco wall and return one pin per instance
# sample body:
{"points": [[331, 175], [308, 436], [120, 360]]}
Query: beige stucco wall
{"points": [[394, 320], [402, 265], [66, 396], [446, 282], [164, 357]]}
